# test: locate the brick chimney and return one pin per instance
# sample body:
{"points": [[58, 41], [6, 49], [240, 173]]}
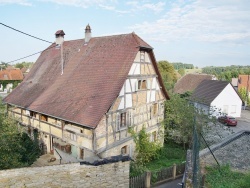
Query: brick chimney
{"points": [[59, 37], [87, 33]]}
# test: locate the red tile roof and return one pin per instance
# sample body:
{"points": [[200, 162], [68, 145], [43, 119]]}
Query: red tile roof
{"points": [[94, 74], [11, 74]]}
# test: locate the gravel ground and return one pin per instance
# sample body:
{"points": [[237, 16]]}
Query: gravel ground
{"points": [[236, 153]]}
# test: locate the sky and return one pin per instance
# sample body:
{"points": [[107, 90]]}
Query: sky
{"points": [[200, 32]]}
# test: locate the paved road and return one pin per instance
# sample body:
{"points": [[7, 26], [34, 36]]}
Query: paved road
{"points": [[171, 184]]}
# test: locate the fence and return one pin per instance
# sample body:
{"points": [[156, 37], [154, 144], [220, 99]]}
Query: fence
{"points": [[151, 178]]}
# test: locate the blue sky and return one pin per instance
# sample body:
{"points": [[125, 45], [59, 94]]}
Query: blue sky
{"points": [[201, 32]]}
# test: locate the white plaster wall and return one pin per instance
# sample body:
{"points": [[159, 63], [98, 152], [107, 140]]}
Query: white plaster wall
{"points": [[122, 91], [135, 69], [121, 105], [147, 58], [128, 100], [228, 97]]}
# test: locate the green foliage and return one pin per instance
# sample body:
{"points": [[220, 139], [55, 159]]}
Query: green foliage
{"points": [[3, 65], [16, 148], [14, 82], [168, 74], [178, 66], [227, 73], [181, 117], [226, 178], [145, 150], [169, 154], [243, 94], [24, 65], [181, 71]]}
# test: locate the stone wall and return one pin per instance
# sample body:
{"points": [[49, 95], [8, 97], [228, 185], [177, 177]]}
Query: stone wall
{"points": [[68, 175]]}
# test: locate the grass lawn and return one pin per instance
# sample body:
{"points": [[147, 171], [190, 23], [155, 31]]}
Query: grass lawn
{"points": [[171, 153], [226, 178]]}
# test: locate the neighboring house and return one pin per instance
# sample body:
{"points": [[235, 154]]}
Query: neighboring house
{"points": [[10, 78], [82, 96], [25, 71], [244, 82], [190, 81], [219, 96], [234, 83]]}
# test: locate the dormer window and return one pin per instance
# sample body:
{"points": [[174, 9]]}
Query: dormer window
{"points": [[142, 84]]}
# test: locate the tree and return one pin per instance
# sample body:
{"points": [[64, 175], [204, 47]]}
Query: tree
{"points": [[181, 71], [24, 65], [243, 94], [168, 74], [145, 151], [181, 115], [16, 148]]}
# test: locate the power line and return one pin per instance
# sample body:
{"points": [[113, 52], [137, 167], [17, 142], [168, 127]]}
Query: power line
{"points": [[25, 33], [31, 54]]}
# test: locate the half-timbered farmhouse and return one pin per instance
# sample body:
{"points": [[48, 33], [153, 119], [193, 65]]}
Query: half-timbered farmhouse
{"points": [[81, 96]]}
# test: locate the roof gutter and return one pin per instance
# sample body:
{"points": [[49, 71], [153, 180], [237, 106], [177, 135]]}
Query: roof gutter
{"points": [[52, 116]]}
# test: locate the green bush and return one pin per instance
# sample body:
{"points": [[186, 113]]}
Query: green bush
{"points": [[16, 148]]}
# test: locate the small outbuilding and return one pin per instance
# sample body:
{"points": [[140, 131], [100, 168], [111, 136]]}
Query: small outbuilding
{"points": [[219, 96]]}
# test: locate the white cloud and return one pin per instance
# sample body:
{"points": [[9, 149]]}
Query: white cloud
{"points": [[211, 21], [19, 2], [83, 3], [145, 6]]}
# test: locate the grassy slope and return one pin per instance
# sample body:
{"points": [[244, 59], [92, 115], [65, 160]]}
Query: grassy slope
{"points": [[226, 178], [171, 153]]}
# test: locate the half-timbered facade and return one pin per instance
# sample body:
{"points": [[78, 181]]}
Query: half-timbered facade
{"points": [[82, 96]]}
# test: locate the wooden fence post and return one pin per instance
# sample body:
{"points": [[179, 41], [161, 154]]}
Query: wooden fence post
{"points": [[174, 171], [148, 179]]}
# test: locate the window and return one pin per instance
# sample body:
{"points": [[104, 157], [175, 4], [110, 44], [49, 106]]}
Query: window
{"points": [[81, 153], [123, 120], [73, 136], [33, 114], [142, 84], [124, 150], [44, 118], [153, 110]]}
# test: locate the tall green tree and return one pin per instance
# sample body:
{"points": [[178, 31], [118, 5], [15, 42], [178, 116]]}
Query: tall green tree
{"points": [[168, 74], [181, 116]]}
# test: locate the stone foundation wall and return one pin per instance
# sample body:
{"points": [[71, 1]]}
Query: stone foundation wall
{"points": [[68, 175]]}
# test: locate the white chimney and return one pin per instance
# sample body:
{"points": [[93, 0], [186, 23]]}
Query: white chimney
{"points": [[87, 33], [59, 37]]}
